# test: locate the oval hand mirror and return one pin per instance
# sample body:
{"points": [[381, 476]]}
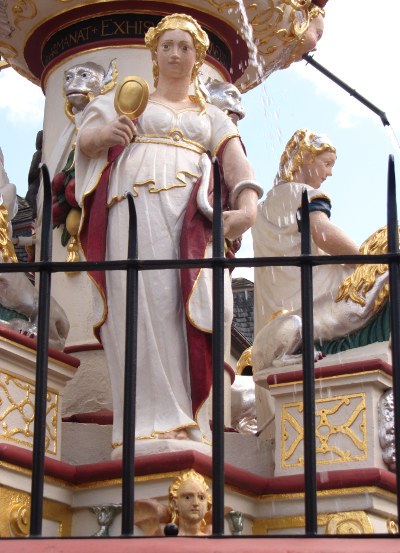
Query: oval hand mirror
{"points": [[131, 97]]}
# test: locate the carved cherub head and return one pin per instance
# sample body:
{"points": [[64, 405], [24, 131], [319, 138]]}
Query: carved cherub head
{"points": [[189, 502], [308, 29]]}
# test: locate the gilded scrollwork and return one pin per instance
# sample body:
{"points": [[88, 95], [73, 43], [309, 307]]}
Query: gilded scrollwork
{"points": [[344, 523], [17, 406], [19, 518], [7, 51], [274, 23], [392, 526], [353, 522], [340, 430], [24, 9], [15, 514]]}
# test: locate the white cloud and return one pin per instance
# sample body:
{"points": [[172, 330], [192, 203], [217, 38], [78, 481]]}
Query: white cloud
{"points": [[359, 46], [21, 102]]}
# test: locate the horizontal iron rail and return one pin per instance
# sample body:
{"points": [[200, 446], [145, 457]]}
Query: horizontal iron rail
{"points": [[153, 264]]}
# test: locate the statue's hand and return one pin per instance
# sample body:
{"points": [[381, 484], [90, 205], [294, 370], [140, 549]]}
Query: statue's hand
{"points": [[120, 131], [236, 222], [96, 140]]}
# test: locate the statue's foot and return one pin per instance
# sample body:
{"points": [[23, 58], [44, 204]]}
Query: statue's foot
{"points": [[287, 360]]}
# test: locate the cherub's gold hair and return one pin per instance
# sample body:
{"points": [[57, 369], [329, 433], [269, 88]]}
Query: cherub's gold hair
{"points": [[174, 491]]}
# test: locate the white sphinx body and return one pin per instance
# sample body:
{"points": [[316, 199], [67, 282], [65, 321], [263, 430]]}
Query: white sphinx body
{"points": [[338, 313]]}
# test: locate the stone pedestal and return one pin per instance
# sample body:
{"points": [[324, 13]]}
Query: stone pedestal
{"points": [[17, 391], [346, 416]]}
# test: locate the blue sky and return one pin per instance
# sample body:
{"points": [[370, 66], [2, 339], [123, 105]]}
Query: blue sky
{"points": [[360, 45]]}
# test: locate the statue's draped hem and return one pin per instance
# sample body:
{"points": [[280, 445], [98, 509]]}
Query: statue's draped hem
{"points": [[196, 234]]}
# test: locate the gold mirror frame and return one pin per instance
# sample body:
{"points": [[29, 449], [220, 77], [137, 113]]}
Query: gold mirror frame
{"points": [[131, 97]]}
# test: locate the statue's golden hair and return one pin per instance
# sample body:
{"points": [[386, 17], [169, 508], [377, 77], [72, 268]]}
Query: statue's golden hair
{"points": [[200, 40], [303, 141]]}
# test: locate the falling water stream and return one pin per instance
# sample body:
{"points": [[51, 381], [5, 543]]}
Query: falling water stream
{"points": [[393, 139]]}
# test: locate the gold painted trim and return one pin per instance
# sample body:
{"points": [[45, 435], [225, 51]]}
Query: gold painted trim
{"points": [[15, 514], [207, 331], [27, 429], [224, 139], [19, 8], [31, 350], [27, 380], [175, 137], [336, 492], [245, 360], [325, 407], [331, 521], [392, 526], [323, 378], [10, 48], [373, 490]]}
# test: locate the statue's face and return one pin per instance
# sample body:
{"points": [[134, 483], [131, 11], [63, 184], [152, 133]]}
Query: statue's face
{"points": [[228, 98], [317, 170], [312, 35], [191, 502], [80, 84], [176, 54]]}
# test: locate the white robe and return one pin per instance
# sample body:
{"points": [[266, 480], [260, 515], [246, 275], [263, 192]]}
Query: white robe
{"points": [[161, 176], [275, 233]]}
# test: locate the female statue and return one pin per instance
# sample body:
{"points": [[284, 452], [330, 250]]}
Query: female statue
{"points": [[156, 157], [307, 161]]}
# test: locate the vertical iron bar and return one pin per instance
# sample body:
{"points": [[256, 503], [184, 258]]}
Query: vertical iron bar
{"points": [[128, 447], [41, 363], [394, 287], [310, 475], [218, 361]]}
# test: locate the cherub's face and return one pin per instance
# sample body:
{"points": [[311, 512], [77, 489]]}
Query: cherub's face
{"points": [[80, 84], [313, 34], [310, 38], [191, 502]]}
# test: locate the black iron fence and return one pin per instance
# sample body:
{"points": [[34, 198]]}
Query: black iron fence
{"points": [[132, 265]]}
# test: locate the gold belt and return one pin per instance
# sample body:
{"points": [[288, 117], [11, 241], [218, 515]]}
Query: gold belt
{"points": [[173, 138]]}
